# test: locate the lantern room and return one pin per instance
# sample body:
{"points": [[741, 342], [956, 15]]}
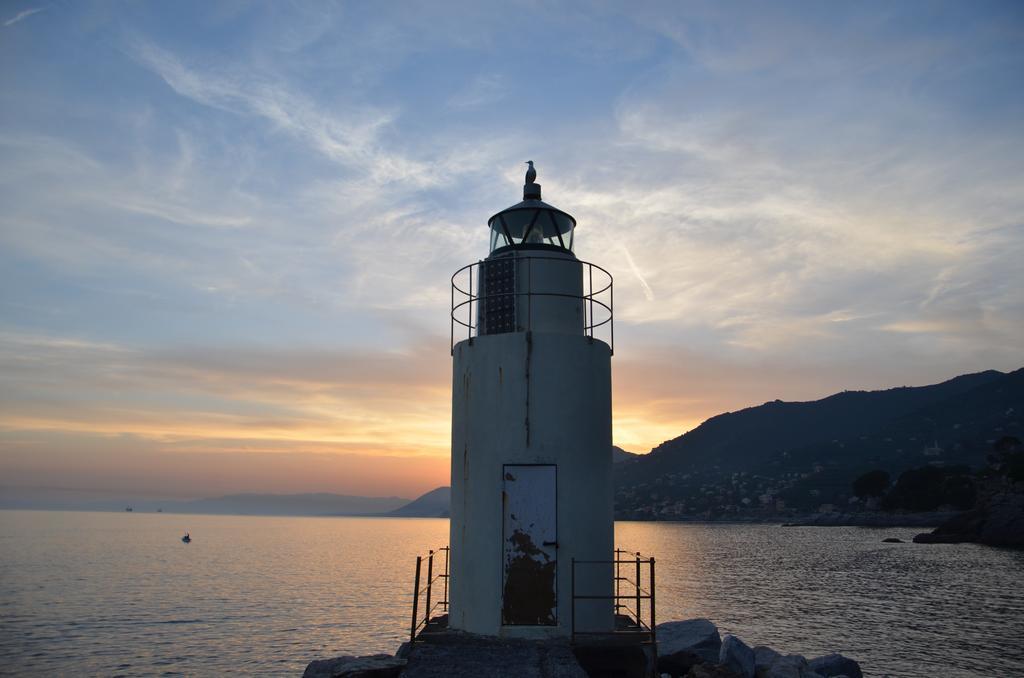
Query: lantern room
{"points": [[531, 222]]}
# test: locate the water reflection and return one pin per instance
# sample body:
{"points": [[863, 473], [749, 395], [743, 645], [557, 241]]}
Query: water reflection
{"points": [[119, 593], [901, 609]]}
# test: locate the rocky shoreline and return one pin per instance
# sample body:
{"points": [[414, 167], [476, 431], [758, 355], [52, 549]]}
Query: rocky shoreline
{"points": [[997, 520], [686, 649], [694, 649]]}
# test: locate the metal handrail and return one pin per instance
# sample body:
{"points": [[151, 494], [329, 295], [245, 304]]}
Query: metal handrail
{"points": [[466, 299], [428, 590], [637, 596]]}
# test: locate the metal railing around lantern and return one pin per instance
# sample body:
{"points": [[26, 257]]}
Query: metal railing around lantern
{"points": [[435, 591], [598, 299]]}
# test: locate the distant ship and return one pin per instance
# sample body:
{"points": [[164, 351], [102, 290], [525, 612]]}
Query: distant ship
{"points": [[159, 510], [129, 509], [187, 539]]}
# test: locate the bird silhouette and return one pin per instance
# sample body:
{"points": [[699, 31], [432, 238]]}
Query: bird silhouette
{"points": [[531, 174]]}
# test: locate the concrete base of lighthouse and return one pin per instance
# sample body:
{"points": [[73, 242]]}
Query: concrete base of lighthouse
{"points": [[531, 485]]}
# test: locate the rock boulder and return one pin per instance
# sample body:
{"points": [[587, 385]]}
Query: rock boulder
{"points": [[711, 671], [370, 666], [771, 664], [998, 520], [834, 665], [694, 636], [737, 656], [679, 664]]}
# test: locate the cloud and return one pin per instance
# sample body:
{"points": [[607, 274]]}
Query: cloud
{"points": [[351, 140], [648, 292], [24, 14], [349, 400], [751, 219], [117, 213]]}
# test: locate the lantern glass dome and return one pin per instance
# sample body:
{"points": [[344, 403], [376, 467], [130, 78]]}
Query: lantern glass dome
{"points": [[532, 222]]}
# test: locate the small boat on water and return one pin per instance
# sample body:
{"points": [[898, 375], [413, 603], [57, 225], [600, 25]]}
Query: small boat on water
{"points": [[187, 539]]}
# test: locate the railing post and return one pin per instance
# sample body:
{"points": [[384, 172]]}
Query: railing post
{"points": [[430, 582], [572, 633], [611, 311], [415, 600], [590, 271], [447, 553], [618, 581], [639, 618], [469, 330], [653, 621]]}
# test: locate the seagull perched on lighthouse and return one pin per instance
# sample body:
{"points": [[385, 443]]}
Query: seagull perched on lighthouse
{"points": [[531, 174]]}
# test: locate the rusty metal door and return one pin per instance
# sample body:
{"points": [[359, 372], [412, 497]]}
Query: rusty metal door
{"points": [[530, 539]]}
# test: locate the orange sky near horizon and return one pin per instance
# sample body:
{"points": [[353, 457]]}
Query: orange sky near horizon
{"points": [[198, 423]]}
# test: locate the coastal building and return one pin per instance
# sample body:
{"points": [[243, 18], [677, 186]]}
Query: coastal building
{"points": [[531, 505]]}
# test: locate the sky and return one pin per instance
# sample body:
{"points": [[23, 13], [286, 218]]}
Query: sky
{"points": [[227, 229]]}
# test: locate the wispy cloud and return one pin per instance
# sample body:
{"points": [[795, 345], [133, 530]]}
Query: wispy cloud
{"points": [[58, 226], [351, 140], [648, 292], [22, 15]]}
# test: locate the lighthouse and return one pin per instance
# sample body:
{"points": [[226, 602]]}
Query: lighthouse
{"points": [[532, 529]]}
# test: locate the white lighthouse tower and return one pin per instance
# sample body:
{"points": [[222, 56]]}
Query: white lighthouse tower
{"points": [[531, 432]]}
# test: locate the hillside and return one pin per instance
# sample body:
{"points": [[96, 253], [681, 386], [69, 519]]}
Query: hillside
{"points": [[620, 455], [805, 454], [433, 504]]}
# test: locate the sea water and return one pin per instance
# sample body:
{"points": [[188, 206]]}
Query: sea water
{"points": [[120, 594]]}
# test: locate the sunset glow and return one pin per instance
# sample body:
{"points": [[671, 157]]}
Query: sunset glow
{"points": [[227, 234]]}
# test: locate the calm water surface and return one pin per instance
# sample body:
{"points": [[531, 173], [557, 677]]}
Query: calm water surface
{"points": [[109, 593]]}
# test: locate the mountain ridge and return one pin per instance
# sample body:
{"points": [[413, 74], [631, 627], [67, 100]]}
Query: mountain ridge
{"points": [[803, 418], [804, 455], [433, 504]]}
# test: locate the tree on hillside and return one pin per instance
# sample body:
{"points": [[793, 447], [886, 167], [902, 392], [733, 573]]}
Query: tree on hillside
{"points": [[1007, 459], [930, 487], [1007, 444], [871, 484]]}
